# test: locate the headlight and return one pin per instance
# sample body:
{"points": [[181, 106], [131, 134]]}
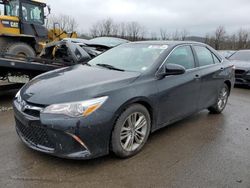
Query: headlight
{"points": [[17, 94], [18, 97], [76, 109]]}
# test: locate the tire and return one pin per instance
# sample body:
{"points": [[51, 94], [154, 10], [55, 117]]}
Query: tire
{"points": [[4, 43], [21, 49], [127, 139], [221, 101]]}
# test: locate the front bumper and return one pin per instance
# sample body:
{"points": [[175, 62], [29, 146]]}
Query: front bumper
{"points": [[73, 138], [242, 77]]}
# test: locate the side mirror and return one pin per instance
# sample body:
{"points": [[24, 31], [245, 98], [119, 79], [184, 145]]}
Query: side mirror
{"points": [[171, 69]]}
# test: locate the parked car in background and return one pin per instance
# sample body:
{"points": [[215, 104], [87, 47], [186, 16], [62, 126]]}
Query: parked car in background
{"points": [[55, 55], [113, 102], [226, 53], [108, 41], [241, 60], [60, 50]]}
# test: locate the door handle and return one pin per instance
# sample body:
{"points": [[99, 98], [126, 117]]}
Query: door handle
{"points": [[222, 68]]}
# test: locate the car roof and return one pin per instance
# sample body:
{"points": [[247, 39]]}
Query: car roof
{"points": [[170, 43]]}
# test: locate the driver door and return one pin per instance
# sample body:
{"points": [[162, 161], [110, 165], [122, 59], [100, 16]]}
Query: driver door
{"points": [[179, 94]]}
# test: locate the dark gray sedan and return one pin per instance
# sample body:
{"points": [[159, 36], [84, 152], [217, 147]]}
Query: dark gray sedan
{"points": [[241, 60], [116, 100]]}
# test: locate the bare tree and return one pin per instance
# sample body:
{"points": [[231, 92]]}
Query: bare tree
{"points": [[219, 36], [176, 35], [134, 31], [95, 30], [232, 42], [122, 30], [154, 36], [131, 30], [164, 34], [207, 39], [183, 34], [64, 22], [107, 26], [243, 36]]}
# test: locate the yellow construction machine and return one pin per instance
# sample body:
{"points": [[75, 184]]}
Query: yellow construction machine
{"points": [[22, 28]]}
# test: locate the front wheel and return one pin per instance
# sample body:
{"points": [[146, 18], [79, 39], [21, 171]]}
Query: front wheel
{"points": [[21, 50], [221, 101], [131, 131]]}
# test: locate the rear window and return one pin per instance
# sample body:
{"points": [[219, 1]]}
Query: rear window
{"points": [[241, 56]]}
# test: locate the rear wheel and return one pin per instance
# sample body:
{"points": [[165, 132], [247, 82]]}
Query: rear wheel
{"points": [[131, 131], [3, 45], [21, 49], [221, 101]]}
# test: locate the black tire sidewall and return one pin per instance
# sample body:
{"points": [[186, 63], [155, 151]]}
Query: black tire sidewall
{"points": [[17, 48], [115, 140], [215, 109]]}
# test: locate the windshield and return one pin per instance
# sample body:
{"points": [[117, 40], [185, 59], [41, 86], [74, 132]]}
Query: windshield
{"points": [[241, 56], [12, 8], [130, 57], [33, 13]]}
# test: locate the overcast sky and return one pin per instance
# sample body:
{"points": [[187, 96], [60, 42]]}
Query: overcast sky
{"points": [[197, 16]]}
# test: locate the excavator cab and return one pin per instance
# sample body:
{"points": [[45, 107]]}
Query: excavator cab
{"points": [[22, 30], [21, 12], [22, 23]]}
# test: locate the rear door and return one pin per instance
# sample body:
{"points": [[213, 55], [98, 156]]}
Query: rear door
{"points": [[211, 75], [178, 94]]}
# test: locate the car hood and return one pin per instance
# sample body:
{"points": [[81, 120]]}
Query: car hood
{"points": [[75, 83], [245, 65]]}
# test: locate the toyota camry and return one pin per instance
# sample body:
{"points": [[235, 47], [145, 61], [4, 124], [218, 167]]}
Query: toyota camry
{"points": [[116, 100]]}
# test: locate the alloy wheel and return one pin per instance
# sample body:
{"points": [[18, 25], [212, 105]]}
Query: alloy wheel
{"points": [[133, 131], [222, 100]]}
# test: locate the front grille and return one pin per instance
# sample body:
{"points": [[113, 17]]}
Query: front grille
{"points": [[34, 113], [238, 71], [239, 80], [35, 135]]}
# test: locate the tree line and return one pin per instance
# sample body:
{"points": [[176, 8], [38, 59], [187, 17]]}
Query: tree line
{"points": [[220, 39]]}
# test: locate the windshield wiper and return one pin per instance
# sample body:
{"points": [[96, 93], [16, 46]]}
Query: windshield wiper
{"points": [[109, 67]]}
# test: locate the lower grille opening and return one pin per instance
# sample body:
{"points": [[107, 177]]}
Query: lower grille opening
{"points": [[238, 71], [35, 135]]}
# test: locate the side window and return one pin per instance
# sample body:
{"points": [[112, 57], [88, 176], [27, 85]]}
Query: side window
{"points": [[182, 56], [216, 60], [32, 13], [1, 9], [204, 56]]}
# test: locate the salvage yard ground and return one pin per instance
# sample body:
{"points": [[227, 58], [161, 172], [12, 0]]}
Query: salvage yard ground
{"points": [[201, 151]]}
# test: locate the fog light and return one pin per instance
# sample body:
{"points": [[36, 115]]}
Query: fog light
{"points": [[77, 139]]}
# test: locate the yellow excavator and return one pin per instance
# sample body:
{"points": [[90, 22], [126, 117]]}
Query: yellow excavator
{"points": [[22, 28]]}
